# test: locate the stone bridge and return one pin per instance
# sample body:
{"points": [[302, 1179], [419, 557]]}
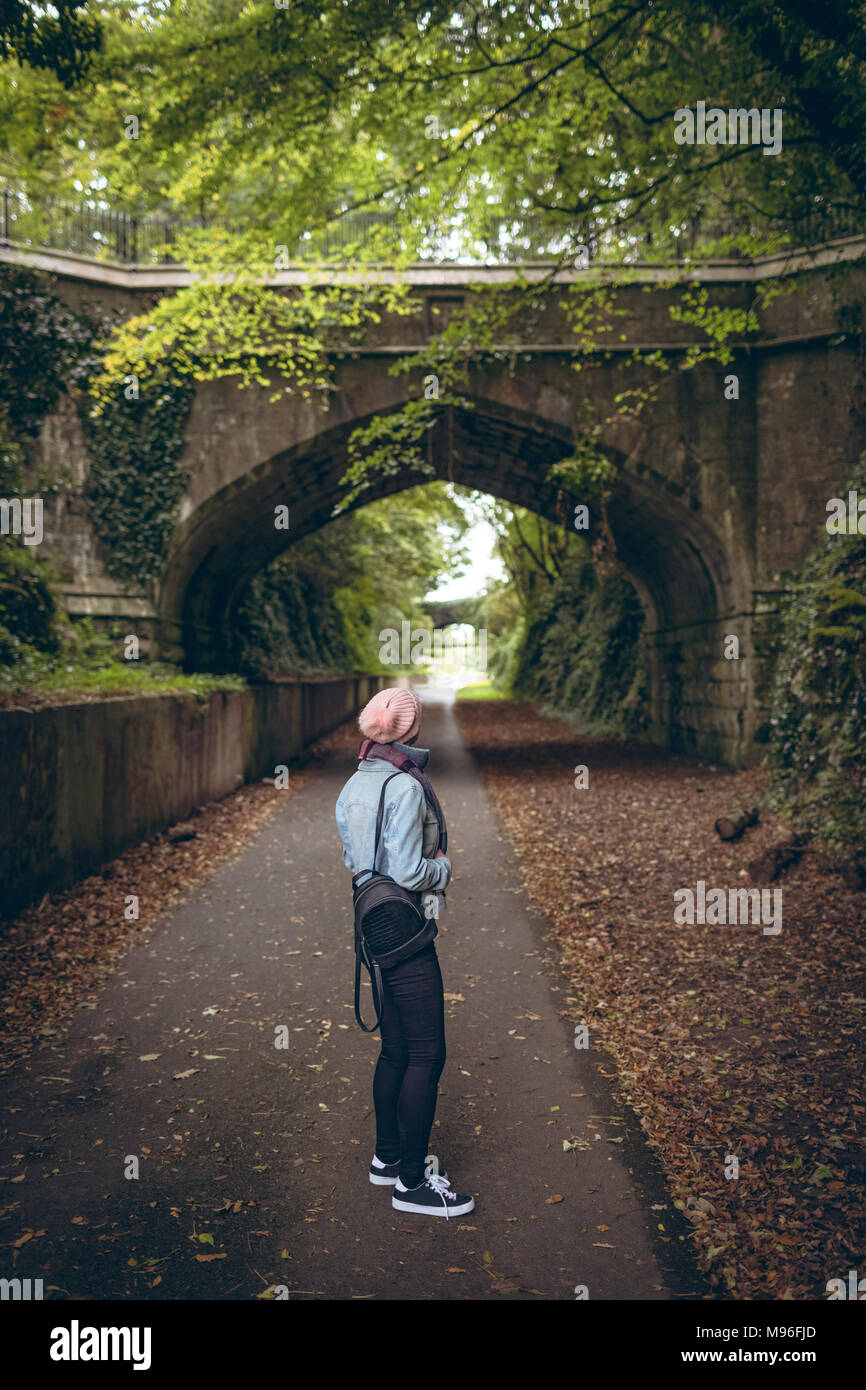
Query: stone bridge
{"points": [[717, 504]]}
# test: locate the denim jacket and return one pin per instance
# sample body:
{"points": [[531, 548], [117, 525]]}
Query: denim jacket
{"points": [[410, 833]]}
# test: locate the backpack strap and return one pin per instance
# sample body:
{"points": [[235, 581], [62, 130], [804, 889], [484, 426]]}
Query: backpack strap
{"points": [[376, 983], [379, 816]]}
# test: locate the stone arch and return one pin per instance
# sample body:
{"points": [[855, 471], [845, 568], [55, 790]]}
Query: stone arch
{"points": [[674, 554]]}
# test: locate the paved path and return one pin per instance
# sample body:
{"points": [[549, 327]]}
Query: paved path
{"points": [[265, 1152]]}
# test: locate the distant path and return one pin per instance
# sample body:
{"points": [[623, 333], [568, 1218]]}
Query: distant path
{"points": [[267, 1151]]}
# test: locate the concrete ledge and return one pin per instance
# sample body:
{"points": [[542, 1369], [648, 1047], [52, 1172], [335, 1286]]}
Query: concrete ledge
{"points": [[83, 782], [437, 274]]}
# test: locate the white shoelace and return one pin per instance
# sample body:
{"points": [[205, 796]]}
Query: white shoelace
{"points": [[442, 1187]]}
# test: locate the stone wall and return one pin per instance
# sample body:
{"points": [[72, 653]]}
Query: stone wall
{"points": [[82, 782]]}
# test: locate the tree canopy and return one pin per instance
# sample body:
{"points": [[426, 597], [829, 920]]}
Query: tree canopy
{"points": [[283, 117], [62, 43]]}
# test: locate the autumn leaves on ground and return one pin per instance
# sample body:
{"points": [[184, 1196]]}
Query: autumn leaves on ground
{"points": [[727, 1041]]}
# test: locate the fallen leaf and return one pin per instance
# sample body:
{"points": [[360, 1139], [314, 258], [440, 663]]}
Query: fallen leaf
{"points": [[22, 1240]]}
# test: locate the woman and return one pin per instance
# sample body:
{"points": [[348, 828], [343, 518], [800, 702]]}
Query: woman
{"points": [[406, 1080]]}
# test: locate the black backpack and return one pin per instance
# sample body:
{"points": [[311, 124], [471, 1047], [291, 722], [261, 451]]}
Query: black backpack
{"points": [[389, 924]]}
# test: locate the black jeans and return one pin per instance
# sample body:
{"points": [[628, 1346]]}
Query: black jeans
{"points": [[406, 1081]]}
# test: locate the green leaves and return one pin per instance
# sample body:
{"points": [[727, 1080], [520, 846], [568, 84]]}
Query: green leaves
{"points": [[29, 618], [557, 119], [816, 754], [229, 324], [822, 1173], [322, 604]]}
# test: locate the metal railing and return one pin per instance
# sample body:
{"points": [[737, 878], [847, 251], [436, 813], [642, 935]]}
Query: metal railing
{"points": [[102, 233]]}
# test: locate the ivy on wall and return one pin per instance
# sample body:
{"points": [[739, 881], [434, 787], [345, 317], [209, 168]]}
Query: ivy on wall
{"points": [[570, 628], [584, 654], [42, 343], [288, 620], [134, 441], [135, 481], [817, 752]]}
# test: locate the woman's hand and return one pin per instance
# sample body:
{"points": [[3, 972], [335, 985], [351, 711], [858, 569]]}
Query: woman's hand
{"points": [[440, 854]]}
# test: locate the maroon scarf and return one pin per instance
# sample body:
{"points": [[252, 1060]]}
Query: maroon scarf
{"points": [[369, 749]]}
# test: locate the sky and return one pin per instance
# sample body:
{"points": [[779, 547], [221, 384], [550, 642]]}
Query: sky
{"points": [[483, 566]]}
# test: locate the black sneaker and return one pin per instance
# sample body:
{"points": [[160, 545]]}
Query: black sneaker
{"points": [[384, 1174], [433, 1197]]}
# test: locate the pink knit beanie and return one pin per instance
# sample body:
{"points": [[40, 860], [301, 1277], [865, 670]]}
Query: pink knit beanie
{"points": [[391, 716]]}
